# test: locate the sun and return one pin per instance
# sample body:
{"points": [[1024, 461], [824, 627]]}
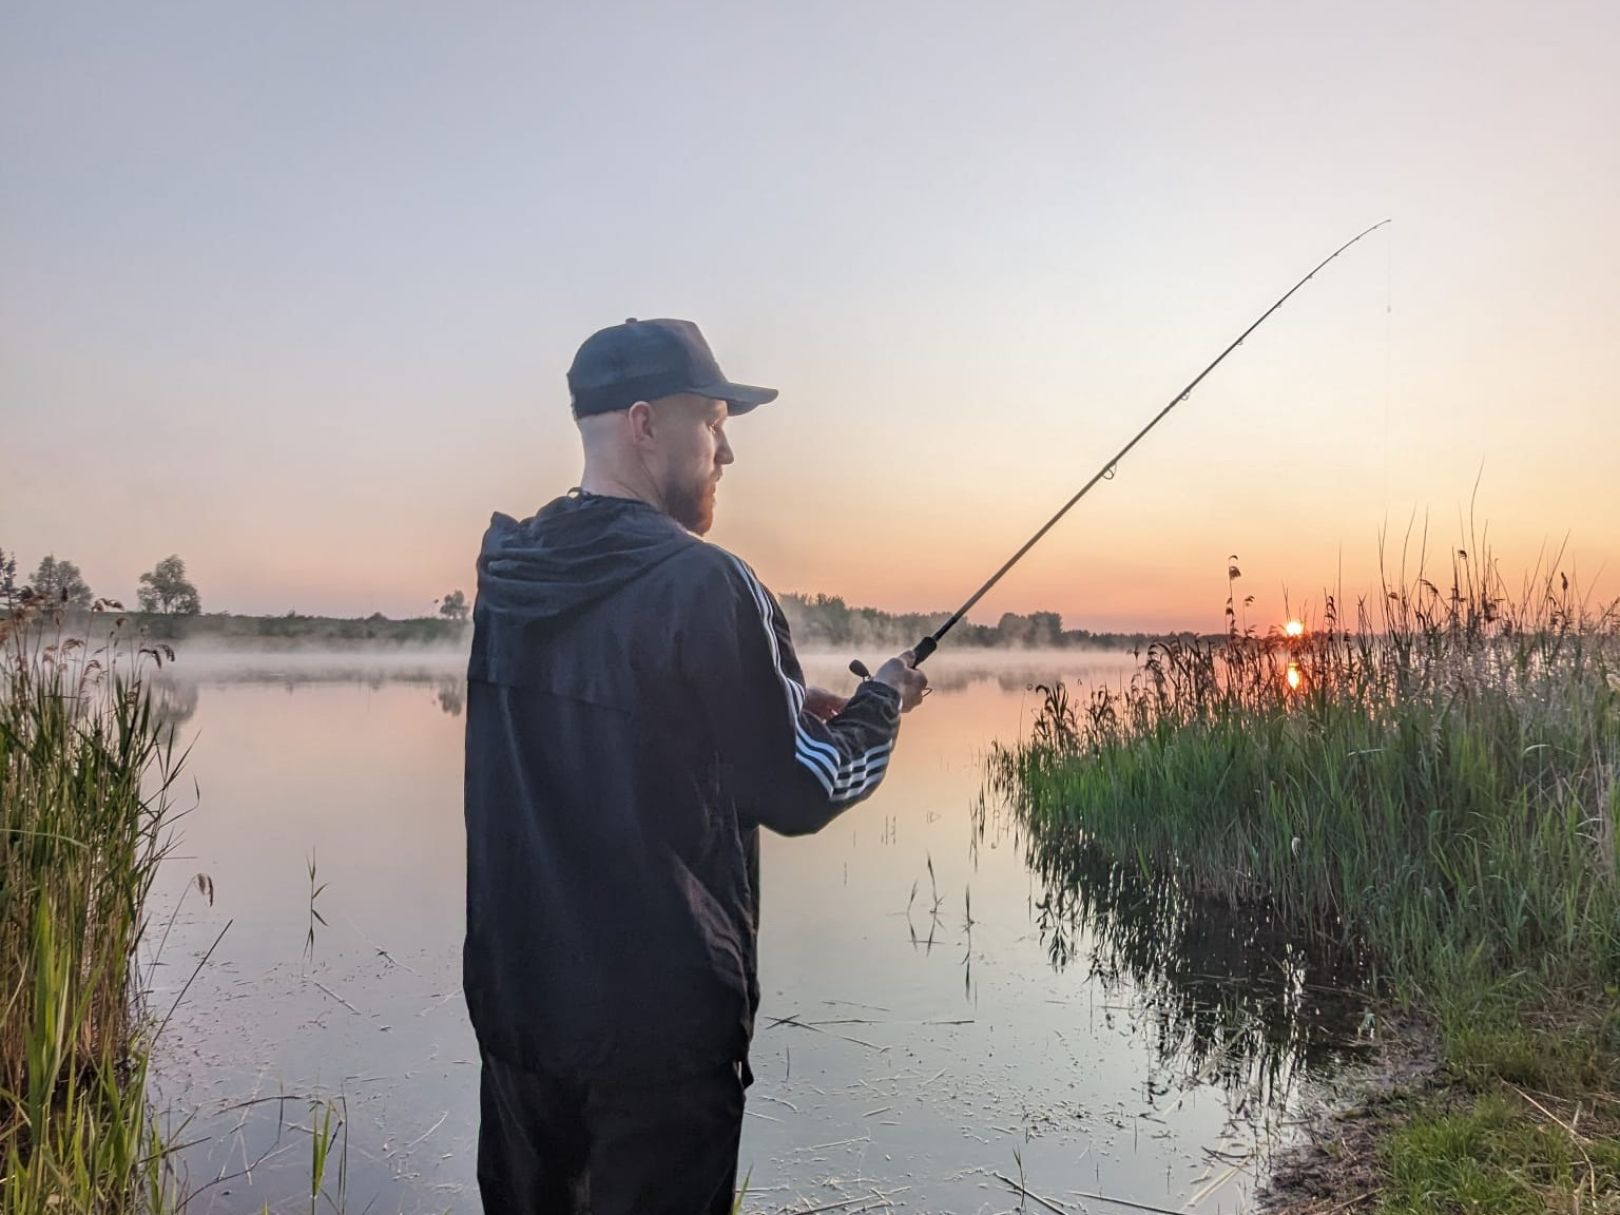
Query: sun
{"points": [[1294, 628]]}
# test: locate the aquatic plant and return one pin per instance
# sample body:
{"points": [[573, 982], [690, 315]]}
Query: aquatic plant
{"points": [[86, 774], [1434, 779], [1430, 784]]}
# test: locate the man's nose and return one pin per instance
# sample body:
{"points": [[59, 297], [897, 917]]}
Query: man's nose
{"points": [[723, 453]]}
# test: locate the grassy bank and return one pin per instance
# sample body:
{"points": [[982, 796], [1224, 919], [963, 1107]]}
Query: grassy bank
{"points": [[1432, 783], [85, 774]]}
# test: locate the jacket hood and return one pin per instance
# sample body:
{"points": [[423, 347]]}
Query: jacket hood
{"points": [[571, 553]]}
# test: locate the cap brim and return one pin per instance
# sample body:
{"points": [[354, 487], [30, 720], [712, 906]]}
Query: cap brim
{"points": [[739, 398]]}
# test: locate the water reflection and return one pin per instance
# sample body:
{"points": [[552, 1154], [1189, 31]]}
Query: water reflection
{"points": [[443, 671], [177, 689], [940, 989], [174, 702], [1230, 998], [452, 696]]}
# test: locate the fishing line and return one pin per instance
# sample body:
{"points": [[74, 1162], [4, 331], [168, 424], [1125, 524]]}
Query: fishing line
{"points": [[930, 643], [1389, 308]]}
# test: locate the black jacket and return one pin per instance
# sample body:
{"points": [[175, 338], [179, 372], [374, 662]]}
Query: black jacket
{"points": [[634, 714]]}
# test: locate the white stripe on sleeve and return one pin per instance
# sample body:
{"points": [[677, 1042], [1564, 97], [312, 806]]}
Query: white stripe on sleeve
{"points": [[843, 779]]}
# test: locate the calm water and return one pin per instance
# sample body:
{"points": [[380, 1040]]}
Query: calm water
{"points": [[1021, 1007]]}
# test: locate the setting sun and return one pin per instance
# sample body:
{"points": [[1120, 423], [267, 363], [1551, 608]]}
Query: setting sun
{"points": [[1294, 628]]}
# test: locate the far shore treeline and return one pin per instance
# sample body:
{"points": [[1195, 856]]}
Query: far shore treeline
{"points": [[827, 622], [821, 622], [170, 609]]}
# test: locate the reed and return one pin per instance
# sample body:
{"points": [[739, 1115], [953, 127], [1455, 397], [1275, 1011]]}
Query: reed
{"points": [[1429, 781], [87, 768], [1434, 781]]}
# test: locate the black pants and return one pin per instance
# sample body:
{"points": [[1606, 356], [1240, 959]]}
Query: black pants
{"points": [[554, 1145]]}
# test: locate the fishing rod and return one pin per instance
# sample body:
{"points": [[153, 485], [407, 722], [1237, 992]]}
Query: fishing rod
{"points": [[930, 643]]}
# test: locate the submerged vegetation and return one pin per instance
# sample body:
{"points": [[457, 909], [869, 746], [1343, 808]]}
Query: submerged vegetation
{"points": [[1429, 780]]}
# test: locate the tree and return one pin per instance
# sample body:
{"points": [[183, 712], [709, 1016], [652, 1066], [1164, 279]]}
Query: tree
{"points": [[1045, 629], [1013, 629], [165, 589], [8, 575], [453, 606], [60, 582]]}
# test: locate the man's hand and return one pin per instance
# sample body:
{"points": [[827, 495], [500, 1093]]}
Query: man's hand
{"points": [[904, 678], [822, 703]]}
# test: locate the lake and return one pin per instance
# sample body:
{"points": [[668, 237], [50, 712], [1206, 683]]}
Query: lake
{"points": [[945, 997]]}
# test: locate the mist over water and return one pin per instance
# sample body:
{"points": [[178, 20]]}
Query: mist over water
{"points": [[1007, 665], [442, 668], [941, 989]]}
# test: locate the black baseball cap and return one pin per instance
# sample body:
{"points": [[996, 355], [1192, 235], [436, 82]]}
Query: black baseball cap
{"points": [[645, 360]]}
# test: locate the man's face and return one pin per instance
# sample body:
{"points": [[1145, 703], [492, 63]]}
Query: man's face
{"points": [[689, 450]]}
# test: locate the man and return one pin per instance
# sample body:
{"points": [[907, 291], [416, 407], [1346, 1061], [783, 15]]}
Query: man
{"points": [[635, 712]]}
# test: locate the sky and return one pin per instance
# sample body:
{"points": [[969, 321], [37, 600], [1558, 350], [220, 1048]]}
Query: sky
{"points": [[290, 290]]}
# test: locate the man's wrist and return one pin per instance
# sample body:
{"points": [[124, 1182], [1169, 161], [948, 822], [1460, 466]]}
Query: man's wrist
{"points": [[887, 695]]}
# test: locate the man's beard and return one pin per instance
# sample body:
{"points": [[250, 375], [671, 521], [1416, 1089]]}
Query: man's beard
{"points": [[692, 506]]}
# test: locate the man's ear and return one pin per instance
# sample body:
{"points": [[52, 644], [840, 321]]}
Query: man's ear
{"points": [[640, 417]]}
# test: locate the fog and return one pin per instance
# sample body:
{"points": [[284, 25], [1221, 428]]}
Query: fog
{"points": [[441, 670], [209, 663]]}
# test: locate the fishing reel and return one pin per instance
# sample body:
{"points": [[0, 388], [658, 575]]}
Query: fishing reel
{"points": [[919, 655]]}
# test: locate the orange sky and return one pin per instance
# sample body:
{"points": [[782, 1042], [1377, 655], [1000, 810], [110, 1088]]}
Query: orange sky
{"points": [[294, 299]]}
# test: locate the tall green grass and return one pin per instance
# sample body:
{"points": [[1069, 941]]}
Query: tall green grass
{"points": [[1433, 779], [1432, 783], [86, 773]]}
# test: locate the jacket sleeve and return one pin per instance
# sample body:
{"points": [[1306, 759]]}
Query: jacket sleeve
{"points": [[789, 770]]}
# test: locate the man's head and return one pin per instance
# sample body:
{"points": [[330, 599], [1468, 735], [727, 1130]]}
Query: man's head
{"points": [[669, 452], [652, 404]]}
